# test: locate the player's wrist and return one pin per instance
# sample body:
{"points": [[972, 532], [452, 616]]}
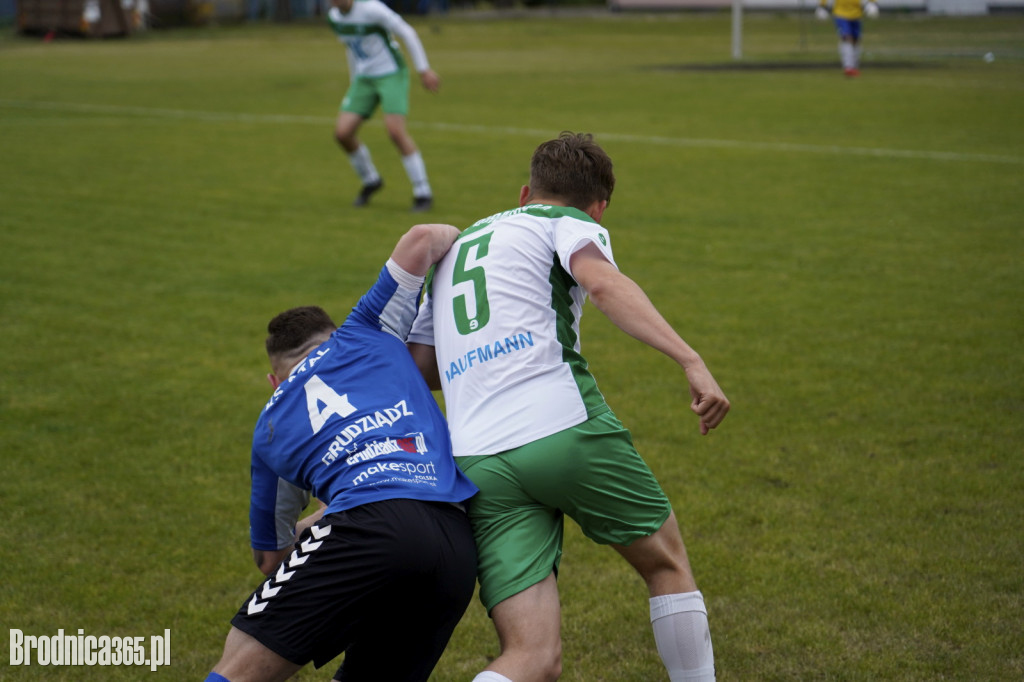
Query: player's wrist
{"points": [[692, 362]]}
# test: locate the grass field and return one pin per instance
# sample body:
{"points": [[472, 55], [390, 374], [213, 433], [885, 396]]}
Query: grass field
{"points": [[845, 254]]}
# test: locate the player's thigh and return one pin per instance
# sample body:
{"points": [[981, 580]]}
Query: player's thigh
{"points": [[309, 609], [530, 621], [518, 538], [847, 29], [244, 657], [594, 474], [393, 91], [407, 634], [362, 97], [410, 624], [329, 593]]}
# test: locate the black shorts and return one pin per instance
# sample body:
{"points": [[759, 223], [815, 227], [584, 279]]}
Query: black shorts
{"points": [[386, 583]]}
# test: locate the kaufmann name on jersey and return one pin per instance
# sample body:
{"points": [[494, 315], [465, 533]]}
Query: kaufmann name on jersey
{"points": [[491, 351]]}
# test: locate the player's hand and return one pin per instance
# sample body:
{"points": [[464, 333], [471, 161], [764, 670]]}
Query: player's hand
{"points": [[871, 10], [709, 402], [431, 81], [821, 13]]}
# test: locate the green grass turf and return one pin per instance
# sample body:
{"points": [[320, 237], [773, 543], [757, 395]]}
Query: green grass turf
{"points": [[845, 254]]}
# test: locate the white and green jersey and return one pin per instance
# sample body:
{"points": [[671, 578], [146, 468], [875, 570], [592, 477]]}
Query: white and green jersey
{"points": [[368, 31], [502, 311]]}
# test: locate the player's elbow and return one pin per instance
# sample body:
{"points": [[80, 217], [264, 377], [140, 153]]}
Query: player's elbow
{"points": [[267, 562], [424, 245], [597, 290], [602, 289]]}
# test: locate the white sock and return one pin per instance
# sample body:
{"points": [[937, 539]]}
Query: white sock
{"points": [[417, 172], [846, 55], [363, 165], [856, 56], [490, 676], [680, 623]]}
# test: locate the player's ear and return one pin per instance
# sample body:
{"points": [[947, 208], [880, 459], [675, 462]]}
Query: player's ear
{"points": [[596, 209], [274, 381], [524, 195]]}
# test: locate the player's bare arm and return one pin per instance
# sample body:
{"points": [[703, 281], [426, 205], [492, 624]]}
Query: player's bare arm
{"points": [[623, 302], [422, 246], [426, 360]]}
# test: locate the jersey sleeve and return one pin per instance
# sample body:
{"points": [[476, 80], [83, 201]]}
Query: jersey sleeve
{"points": [[423, 326], [572, 234], [390, 304], [394, 23], [274, 507]]}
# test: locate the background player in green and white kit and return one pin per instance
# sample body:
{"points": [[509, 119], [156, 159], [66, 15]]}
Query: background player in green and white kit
{"points": [[380, 77], [499, 332]]}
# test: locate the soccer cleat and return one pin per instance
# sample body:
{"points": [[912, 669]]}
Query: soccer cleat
{"points": [[851, 73], [366, 192], [421, 204]]}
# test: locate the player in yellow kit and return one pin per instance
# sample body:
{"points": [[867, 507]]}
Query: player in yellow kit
{"points": [[847, 15]]}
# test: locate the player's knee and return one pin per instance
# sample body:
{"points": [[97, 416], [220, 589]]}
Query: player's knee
{"points": [[550, 663], [543, 659], [345, 138], [345, 132], [664, 566], [549, 659], [556, 669]]}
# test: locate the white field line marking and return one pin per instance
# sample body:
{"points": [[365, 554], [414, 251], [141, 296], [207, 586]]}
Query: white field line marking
{"points": [[148, 112], [656, 140], [749, 145]]}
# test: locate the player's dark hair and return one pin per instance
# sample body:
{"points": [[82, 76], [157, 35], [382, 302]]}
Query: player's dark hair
{"points": [[294, 328], [574, 168]]}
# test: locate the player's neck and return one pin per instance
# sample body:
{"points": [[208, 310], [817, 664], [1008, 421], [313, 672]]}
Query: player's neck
{"points": [[595, 210]]}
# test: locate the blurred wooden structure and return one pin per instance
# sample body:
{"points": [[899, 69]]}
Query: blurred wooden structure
{"points": [[91, 18]]}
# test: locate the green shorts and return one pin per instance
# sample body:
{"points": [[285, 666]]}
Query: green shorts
{"points": [[390, 92], [590, 472]]}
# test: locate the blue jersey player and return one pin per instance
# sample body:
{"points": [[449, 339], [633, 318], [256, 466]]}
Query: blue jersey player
{"points": [[387, 564]]}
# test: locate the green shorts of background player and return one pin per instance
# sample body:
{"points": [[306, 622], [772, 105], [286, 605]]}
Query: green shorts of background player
{"points": [[391, 95]]}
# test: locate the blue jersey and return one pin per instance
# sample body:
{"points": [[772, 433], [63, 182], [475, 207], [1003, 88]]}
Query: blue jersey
{"points": [[354, 423]]}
